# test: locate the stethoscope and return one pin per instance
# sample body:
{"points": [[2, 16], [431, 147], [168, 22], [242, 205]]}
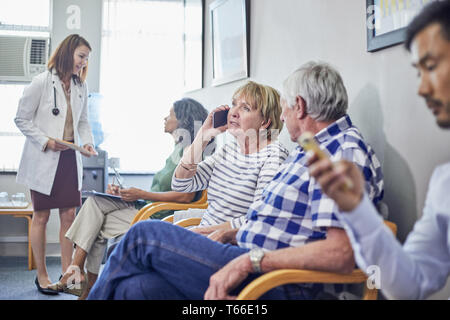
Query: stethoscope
{"points": [[55, 109]]}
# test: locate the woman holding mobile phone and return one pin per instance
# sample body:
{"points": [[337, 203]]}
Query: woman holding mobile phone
{"points": [[55, 105], [236, 174]]}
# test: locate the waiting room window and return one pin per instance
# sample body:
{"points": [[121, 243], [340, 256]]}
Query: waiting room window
{"points": [[141, 76], [21, 18]]}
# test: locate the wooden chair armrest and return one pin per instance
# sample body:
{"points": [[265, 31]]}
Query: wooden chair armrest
{"points": [[188, 222], [273, 279], [147, 212], [150, 209], [168, 219]]}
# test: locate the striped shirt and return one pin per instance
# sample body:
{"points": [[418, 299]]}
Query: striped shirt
{"points": [[293, 210], [234, 181]]}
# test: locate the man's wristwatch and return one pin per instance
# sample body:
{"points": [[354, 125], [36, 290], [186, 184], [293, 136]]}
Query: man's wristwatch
{"points": [[256, 256]]}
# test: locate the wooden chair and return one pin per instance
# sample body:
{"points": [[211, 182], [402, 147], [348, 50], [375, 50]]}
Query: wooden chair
{"points": [[188, 222], [152, 208], [273, 279]]}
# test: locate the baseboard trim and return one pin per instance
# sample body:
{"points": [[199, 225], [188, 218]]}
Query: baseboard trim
{"points": [[15, 239], [20, 249]]}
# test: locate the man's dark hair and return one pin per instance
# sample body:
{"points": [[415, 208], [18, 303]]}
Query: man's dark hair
{"points": [[434, 12]]}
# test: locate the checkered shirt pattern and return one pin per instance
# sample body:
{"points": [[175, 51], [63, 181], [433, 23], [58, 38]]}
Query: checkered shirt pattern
{"points": [[293, 210]]}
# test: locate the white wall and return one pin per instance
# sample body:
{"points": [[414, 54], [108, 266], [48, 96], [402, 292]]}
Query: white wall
{"points": [[381, 88], [90, 23]]}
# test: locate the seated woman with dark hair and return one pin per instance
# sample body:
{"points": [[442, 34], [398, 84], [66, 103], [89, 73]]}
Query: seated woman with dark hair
{"points": [[101, 218]]}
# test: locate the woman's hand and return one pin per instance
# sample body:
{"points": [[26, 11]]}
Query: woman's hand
{"points": [[131, 194], [194, 153], [204, 230], [113, 189], [208, 129], [224, 236], [216, 230], [90, 151], [55, 146]]}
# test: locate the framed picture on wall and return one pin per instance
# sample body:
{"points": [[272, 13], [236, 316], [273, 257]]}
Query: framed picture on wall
{"points": [[230, 33], [387, 21], [193, 44]]}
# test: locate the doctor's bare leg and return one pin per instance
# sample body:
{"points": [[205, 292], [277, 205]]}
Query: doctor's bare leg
{"points": [[38, 243]]}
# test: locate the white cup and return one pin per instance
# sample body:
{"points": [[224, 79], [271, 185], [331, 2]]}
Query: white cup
{"points": [[4, 199], [18, 199]]}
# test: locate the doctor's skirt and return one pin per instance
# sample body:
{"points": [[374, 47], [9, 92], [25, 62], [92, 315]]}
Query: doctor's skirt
{"points": [[64, 192]]}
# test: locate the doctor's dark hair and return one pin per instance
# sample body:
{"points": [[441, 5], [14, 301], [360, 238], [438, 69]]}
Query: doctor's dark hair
{"points": [[190, 115], [434, 12], [62, 59]]}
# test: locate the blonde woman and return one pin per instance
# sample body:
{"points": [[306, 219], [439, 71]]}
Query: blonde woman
{"points": [[236, 174]]}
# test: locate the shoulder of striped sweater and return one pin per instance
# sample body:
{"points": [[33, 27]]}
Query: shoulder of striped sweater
{"points": [[278, 147], [230, 145], [225, 148]]}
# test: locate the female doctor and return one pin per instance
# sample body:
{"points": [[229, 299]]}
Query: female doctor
{"points": [[54, 105]]}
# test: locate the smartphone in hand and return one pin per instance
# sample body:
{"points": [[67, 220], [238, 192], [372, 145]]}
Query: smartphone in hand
{"points": [[220, 118], [307, 142]]}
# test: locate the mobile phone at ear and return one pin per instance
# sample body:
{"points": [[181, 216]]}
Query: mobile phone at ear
{"points": [[220, 118]]}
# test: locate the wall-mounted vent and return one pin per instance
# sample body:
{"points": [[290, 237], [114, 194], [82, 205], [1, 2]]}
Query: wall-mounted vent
{"points": [[21, 58]]}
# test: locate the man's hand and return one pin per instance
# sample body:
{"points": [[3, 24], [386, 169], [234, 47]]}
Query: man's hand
{"points": [[228, 278], [131, 194], [332, 177]]}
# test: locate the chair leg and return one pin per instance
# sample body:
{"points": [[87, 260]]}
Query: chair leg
{"points": [[31, 262], [370, 294]]}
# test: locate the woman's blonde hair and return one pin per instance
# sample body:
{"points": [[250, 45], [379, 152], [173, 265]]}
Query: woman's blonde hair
{"points": [[62, 59], [263, 98]]}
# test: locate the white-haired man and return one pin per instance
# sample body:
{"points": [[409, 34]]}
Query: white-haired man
{"points": [[422, 266], [293, 225]]}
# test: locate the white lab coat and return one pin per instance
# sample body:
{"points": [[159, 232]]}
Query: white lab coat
{"points": [[35, 119]]}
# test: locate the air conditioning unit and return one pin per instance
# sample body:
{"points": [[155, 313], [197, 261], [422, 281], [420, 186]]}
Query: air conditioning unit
{"points": [[21, 58]]}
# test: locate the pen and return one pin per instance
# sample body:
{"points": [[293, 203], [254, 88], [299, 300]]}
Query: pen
{"points": [[117, 176]]}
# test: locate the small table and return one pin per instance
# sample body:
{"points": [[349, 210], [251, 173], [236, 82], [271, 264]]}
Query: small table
{"points": [[26, 213]]}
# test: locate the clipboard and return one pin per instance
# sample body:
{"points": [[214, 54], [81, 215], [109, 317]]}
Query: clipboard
{"points": [[100, 194], [71, 146], [107, 195]]}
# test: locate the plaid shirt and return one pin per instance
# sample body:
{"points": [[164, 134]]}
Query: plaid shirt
{"points": [[293, 210]]}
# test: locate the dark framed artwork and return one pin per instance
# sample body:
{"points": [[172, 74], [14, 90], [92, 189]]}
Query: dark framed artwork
{"points": [[387, 21], [230, 40], [194, 18]]}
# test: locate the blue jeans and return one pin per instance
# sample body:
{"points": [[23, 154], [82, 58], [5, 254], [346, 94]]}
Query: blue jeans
{"points": [[157, 260]]}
